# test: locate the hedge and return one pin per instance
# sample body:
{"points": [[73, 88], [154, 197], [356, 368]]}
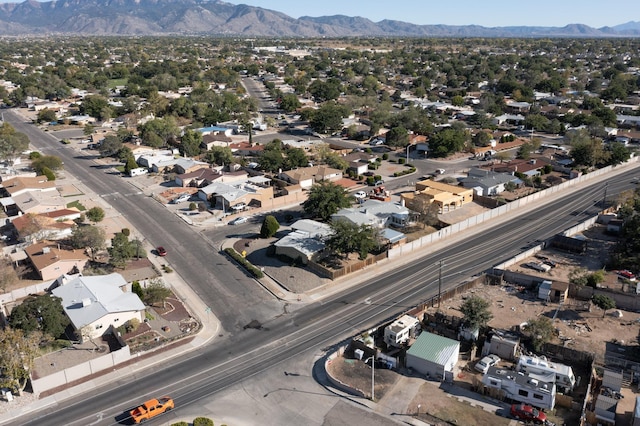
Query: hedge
{"points": [[244, 262]]}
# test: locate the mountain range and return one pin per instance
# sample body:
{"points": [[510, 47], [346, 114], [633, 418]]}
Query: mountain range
{"points": [[219, 18]]}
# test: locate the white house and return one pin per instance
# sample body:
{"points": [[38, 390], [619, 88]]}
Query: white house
{"points": [[434, 356], [521, 387], [401, 330], [96, 304], [375, 213]]}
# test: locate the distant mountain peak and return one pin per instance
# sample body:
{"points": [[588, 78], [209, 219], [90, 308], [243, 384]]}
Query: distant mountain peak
{"points": [[155, 17]]}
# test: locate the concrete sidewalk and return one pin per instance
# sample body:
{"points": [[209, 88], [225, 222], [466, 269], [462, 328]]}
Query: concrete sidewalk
{"points": [[210, 329]]}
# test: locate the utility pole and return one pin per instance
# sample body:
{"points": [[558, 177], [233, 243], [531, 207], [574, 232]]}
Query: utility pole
{"points": [[439, 284]]}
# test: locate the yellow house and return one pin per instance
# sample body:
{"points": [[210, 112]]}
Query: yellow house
{"points": [[447, 197]]}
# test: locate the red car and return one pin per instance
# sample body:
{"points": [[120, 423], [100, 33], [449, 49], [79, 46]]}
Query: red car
{"points": [[161, 251], [528, 413]]}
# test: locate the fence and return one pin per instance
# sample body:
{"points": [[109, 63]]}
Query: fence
{"points": [[69, 375], [538, 197], [336, 273]]}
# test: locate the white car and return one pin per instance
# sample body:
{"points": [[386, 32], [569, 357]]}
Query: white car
{"points": [[360, 194], [239, 220], [182, 199], [486, 362]]}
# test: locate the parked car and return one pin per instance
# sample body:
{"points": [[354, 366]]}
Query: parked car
{"points": [[239, 206], [626, 274], [378, 182], [239, 220], [486, 362], [440, 171], [528, 413], [360, 194], [161, 251], [181, 199], [538, 266]]}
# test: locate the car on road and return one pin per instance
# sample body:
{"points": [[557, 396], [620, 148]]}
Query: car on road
{"points": [[440, 171], [239, 220], [528, 413], [486, 362], [378, 182], [635, 180], [161, 251], [360, 194]]}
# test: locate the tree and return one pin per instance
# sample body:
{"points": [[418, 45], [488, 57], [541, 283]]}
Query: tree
{"points": [[12, 143], [219, 155], [296, 157], [348, 237], [17, 354], [603, 302], [110, 146], [426, 211], [42, 313], [94, 106], [289, 102], [46, 115], [540, 331], [447, 141], [121, 250], [156, 292], [95, 214], [130, 164], [137, 289], [90, 237], [328, 118], [476, 312], [50, 162], [269, 227], [325, 199], [397, 136], [271, 160], [190, 143]]}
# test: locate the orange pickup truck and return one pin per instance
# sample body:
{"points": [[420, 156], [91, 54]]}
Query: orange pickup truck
{"points": [[151, 408]]}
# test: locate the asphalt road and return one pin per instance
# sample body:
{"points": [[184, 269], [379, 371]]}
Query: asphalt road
{"points": [[245, 353]]}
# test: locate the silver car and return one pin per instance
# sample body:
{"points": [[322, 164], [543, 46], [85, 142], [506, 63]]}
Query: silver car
{"points": [[486, 362]]}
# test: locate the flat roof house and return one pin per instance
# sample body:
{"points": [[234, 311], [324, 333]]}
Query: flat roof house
{"points": [[97, 304]]}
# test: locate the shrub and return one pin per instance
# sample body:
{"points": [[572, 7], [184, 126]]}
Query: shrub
{"points": [[49, 174], [180, 424], [192, 206], [244, 262], [385, 156], [401, 160], [269, 227], [202, 421], [34, 154], [126, 232], [136, 288]]}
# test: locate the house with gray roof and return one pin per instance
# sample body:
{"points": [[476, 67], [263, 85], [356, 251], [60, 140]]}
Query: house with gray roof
{"points": [[305, 241], [96, 305], [434, 356], [375, 213], [487, 182]]}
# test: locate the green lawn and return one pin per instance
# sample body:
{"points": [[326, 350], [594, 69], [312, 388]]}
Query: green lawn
{"points": [[117, 82], [77, 205]]}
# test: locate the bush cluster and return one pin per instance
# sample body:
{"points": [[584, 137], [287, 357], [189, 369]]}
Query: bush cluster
{"points": [[244, 262]]}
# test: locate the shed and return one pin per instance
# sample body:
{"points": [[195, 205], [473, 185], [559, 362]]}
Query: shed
{"points": [[434, 356], [544, 290], [505, 346], [606, 410]]}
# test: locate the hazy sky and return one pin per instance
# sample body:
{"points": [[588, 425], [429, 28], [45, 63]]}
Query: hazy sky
{"points": [[489, 13]]}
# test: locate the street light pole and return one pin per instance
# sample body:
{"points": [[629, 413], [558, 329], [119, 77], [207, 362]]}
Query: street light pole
{"points": [[440, 282], [373, 371], [408, 146]]}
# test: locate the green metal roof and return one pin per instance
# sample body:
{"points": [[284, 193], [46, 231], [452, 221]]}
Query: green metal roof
{"points": [[434, 348]]}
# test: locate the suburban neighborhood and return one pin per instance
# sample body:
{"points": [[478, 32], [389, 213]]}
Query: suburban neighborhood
{"points": [[312, 169]]}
